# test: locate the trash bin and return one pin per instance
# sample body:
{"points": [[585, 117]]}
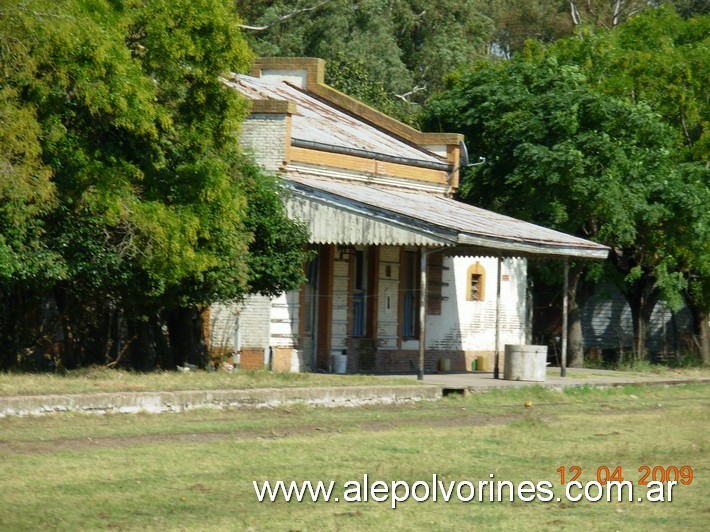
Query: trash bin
{"points": [[484, 363], [525, 363], [339, 363]]}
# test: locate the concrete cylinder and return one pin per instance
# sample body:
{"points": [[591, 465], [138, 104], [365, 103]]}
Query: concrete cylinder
{"points": [[339, 363], [525, 363]]}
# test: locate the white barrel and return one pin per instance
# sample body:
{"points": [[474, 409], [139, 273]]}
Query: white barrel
{"points": [[525, 363], [339, 363]]}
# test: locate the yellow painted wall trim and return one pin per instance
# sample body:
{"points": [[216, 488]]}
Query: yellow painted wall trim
{"points": [[315, 74], [272, 107], [362, 164]]}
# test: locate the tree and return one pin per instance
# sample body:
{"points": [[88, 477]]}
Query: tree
{"points": [[517, 21], [564, 156], [352, 77], [660, 60], [406, 45], [129, 129], [656, 58]]}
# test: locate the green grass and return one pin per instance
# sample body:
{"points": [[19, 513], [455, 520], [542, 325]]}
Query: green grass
{"points": [[643, 370], [194, 470], [98, 379]]}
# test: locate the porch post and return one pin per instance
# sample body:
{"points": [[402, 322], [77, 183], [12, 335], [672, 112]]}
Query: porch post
{"points": [[422, 311], [496, 368], [565, 311]]}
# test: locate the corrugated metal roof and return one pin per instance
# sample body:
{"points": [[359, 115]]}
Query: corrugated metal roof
{"points": [[352, 225], [320, 123], [464, 224]]}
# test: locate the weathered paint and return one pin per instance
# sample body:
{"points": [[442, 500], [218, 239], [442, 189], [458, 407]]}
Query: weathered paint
{"points": [[388, 299], [316, 121], [470, 325], [607, 323], [451, 222], [339, 302], [351, 225]]}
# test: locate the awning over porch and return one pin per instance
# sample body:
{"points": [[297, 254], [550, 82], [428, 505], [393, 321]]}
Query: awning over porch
{"points": [[363, 214]]}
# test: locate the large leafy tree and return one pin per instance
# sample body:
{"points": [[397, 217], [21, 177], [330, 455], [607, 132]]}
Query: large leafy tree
{"points": [[660, 60], [407, 46], [561, 154], [657, 58], [124, 162], [403, 47]]}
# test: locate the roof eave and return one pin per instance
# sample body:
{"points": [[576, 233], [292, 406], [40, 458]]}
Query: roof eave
{"points": [[529, 248], [468, 243]]}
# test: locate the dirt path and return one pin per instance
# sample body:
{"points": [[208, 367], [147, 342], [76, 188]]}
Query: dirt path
{"points": [[296, 430]]}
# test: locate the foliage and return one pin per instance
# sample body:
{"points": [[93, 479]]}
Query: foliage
{"points": [[122, 121], [660, 60], [402, 44], [549, 139], [408, 46], [352, 77], [516, 21], [596, 148], [656, 58], [164, 472], [26, 188], [277, 250]]}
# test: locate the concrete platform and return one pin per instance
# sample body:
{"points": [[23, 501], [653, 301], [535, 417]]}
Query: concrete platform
{"points": [[433, 387], [576, 377], [180, 401]]}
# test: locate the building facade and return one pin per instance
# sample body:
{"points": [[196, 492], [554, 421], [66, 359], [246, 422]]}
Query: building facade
{"points": [[405, 278]]}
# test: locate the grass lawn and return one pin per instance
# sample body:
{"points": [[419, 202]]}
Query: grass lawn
{"points": [[642, 370], [194, 470], [98, 379]]}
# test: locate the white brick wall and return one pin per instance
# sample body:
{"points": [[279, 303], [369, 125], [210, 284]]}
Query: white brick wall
{"points": [[470, 325], [259, 322], [265, 135], [250, 320], [285, 320], [223, 326]]}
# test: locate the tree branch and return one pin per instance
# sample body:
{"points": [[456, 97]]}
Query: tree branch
{"points": [[617, 13], [113, 363], [576, 19], [415, 90], [296, 10]]}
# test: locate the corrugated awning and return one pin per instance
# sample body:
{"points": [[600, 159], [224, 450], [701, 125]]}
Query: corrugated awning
{"points": [[361, 214]]}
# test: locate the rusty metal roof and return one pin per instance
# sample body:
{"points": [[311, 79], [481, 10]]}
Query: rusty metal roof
{"points": [[321, 124], [451, 223]]}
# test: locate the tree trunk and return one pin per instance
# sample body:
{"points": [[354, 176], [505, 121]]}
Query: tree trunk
{"points": [[575, 341], [701, 329], [69, 357], [705, 337], [142, 349], [579, 292], [642, 300], [186, 337]]}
